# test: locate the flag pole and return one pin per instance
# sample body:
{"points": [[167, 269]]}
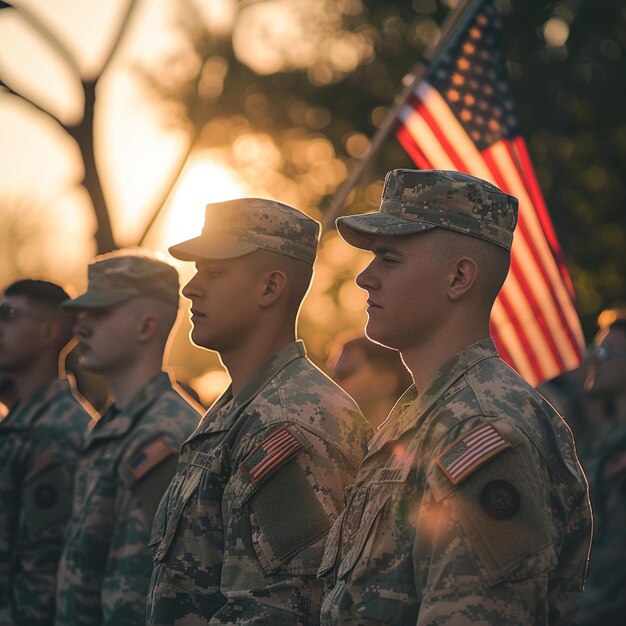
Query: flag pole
{"points": [[448, 27]]}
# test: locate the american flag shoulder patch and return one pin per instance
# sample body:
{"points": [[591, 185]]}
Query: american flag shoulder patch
{"points": [[469, 452], [149, 457], [275, 450]]}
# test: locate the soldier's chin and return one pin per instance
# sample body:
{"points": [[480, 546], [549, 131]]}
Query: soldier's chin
{"points": [[198, 337], [377, 336]]}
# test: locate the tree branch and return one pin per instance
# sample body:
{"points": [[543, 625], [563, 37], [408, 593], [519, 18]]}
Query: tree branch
{"points": [[132, 7], [12, 92], [50, 38]]}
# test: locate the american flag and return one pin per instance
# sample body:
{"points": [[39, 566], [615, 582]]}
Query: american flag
{"points": [[470, 451], [460, 116], [280, 446]]}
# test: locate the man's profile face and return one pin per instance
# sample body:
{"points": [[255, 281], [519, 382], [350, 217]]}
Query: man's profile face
{"points": [[223, 297], [606, 369], [407, 290], [21, 325], [107, 337]]}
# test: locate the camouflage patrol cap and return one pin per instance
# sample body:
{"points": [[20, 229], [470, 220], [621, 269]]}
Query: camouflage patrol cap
{"points": [[238, 227], [414, 201], [115, 278]]}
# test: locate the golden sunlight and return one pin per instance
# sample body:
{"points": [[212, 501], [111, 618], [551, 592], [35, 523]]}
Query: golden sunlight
{"points": [[203, 181]]}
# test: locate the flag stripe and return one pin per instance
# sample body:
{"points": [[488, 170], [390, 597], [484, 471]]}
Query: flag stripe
{"points": [[530, 229], [525, 262]]}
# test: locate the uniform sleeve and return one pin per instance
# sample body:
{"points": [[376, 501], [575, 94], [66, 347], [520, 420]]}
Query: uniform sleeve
{"points": [[287, 492], [144, 477], [44, 497], [494, 523]]}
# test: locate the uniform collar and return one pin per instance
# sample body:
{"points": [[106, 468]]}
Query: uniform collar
{"points": [[225, 408], [117, 422], [24, 414], [412, 406]]}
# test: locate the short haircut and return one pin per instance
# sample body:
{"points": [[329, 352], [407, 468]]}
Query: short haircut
{"points": [[41, 292], [48, 295]]}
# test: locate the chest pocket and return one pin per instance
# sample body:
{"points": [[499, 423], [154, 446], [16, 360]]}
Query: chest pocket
{"points": [[94, 499], [202, 467], [365, 510]]}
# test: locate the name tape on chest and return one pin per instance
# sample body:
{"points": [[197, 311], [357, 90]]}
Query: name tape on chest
{"points": [[150, 456], [275, 450], [470, 451]]}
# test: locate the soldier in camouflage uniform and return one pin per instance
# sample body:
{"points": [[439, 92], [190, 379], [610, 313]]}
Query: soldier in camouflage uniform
{"points": [[470, 506], [604, 601], [39, 443], [130, 454], [239, 534]]}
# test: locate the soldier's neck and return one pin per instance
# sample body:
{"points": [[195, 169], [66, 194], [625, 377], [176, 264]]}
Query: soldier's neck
{"points": [[243, 361], [125, 385]]}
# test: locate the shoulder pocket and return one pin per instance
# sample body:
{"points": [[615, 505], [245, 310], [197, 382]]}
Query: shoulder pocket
{"points": [[503, 517], [287, 517]]}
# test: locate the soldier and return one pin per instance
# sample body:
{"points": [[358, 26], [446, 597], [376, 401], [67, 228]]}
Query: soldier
{"points": [[604, 601], [373, 375], [39, 443], [470, 506], [130, 455], [239, 534]]}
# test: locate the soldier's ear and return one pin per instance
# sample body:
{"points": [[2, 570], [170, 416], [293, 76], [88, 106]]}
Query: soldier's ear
{"points": [[274, 284], [465, 274], [147, 328]]}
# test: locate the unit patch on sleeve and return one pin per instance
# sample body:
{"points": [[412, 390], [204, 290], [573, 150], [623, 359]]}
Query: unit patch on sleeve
{"points": [[275, 450], [149, 457], [470, 451]]}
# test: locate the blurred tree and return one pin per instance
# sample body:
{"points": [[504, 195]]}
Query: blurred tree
{"points": [[82, 131]]}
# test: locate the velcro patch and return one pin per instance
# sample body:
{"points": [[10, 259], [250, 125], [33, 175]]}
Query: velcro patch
{"points": [[279, 447], [149, 457], [469, 452]]}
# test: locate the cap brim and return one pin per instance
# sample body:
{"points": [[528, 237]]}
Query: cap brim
{"points": [[360, 230], [95, 299], [200, 248]]}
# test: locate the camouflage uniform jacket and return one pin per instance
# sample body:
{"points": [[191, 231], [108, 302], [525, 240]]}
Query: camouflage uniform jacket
{"points": [[239, 535], [470, 507], [604, 600], [39, 444], [127, 462]]}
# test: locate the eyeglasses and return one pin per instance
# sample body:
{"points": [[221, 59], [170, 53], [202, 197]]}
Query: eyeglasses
{"points": [[604, 353], [10, 313]]}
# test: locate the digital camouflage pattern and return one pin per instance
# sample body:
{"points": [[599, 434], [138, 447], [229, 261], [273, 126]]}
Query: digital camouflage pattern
{"points": [[39, 444], [119, 276], [127, 462], [238, 227], [604, 600], [504, 543], [417, 200], [239, 534]]}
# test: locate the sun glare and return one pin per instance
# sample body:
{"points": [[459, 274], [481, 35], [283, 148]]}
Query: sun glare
{"points": [[203, 181]]}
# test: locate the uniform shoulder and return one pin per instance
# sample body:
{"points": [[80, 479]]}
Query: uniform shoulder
{"points": [[302, 395], [303, 381]]}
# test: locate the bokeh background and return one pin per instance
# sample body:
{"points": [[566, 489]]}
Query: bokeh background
{"points": [[119, 121]]}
